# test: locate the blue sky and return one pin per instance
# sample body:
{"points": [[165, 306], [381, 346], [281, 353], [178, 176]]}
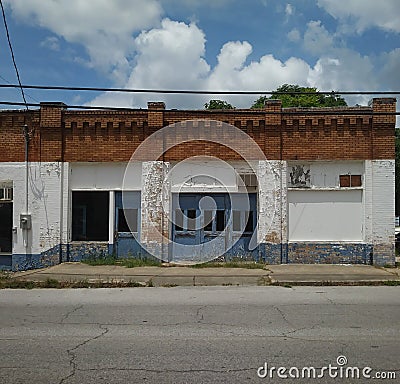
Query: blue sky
{"points": [[351, 45]]}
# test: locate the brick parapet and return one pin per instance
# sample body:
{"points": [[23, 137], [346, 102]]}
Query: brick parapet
{"points": [[345, 133]]}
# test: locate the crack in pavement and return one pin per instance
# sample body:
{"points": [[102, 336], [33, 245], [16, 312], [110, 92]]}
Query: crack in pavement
{"points": [[72, 352], [199, 315], [71, 312], [284, 317]]}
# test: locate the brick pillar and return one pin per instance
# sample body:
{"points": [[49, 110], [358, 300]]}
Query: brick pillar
{"points": [[382, 171], [273, 127], [274, 117], [155, 208], [155, 114], [51, 138], [383, 128]]}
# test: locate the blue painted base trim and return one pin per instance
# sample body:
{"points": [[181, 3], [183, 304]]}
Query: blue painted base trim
{"points": [[328, 253], [85, 250], [23, 262], [299, 253]]}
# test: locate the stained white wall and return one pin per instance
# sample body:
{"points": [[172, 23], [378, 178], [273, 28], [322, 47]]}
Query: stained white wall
{"points": [[272, 203], [325, 174], [203, 174], [48, 204], [325, 215], [379, 201], [106, 176]]}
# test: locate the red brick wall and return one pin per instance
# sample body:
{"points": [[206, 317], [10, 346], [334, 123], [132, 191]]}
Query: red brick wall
{"points": [[104, 136]]}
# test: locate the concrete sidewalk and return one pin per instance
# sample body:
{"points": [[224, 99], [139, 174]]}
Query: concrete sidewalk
{"points": [[295, 274]]}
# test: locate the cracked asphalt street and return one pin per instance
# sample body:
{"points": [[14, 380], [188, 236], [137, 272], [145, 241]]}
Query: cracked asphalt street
{"points": [[194, 334]]}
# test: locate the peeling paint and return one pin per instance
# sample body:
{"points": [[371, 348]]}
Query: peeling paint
{"points": [[300, 176]]}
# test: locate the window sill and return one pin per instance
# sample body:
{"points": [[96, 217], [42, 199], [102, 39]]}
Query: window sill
{"points": [[326, 189]]}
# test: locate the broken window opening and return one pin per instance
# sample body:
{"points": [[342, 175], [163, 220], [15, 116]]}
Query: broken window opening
{"points": [[191, 219], [90, 216], [220, 220], [249, 221], [127, 220], [208, 221]]}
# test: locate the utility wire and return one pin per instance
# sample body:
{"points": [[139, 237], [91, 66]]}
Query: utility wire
{"points": [[194, 92], [12, 55], [353, 111], [17, 86]]}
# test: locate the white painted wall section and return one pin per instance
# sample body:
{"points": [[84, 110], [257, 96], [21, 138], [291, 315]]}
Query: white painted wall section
{"points": [[325, 174], [48, 196], [383, 172], [325, 215], [106, 176]]}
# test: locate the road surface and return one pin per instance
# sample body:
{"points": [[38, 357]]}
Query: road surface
{"points": [[197, 334]]}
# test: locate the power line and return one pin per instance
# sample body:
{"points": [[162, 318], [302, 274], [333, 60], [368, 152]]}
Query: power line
{"points": [[353, 112], [17, 86], [12, 55], [194, 92]]}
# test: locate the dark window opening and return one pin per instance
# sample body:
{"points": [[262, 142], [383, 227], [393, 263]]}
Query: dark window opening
{"points": [[220, 220], [90, 216], [127, 220], [178, 220], [249, 222], [191, 214], [6, 210], [208, 220]]}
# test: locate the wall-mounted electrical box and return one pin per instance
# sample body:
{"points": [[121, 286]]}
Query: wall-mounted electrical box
{"points": [[25, 221]]}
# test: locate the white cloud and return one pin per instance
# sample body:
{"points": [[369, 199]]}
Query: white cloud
{"points": [[167, 54], [103, 27], [317, 39], [294, 35], [362, 14], [171, 57], [336, 71], [51, 42], [289, 10], [390, 72]]}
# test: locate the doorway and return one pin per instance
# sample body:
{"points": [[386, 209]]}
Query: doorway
{"points": [[6, 221]]}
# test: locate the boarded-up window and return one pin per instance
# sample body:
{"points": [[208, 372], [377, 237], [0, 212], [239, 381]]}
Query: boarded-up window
{"points": [[355, 181], [347, 181]]}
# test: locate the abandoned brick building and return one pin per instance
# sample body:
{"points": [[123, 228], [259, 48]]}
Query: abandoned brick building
{"points": [[282, 185]]}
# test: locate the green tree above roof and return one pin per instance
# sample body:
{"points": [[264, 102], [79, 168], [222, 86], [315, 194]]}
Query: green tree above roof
{"points": [[293, 96]]}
